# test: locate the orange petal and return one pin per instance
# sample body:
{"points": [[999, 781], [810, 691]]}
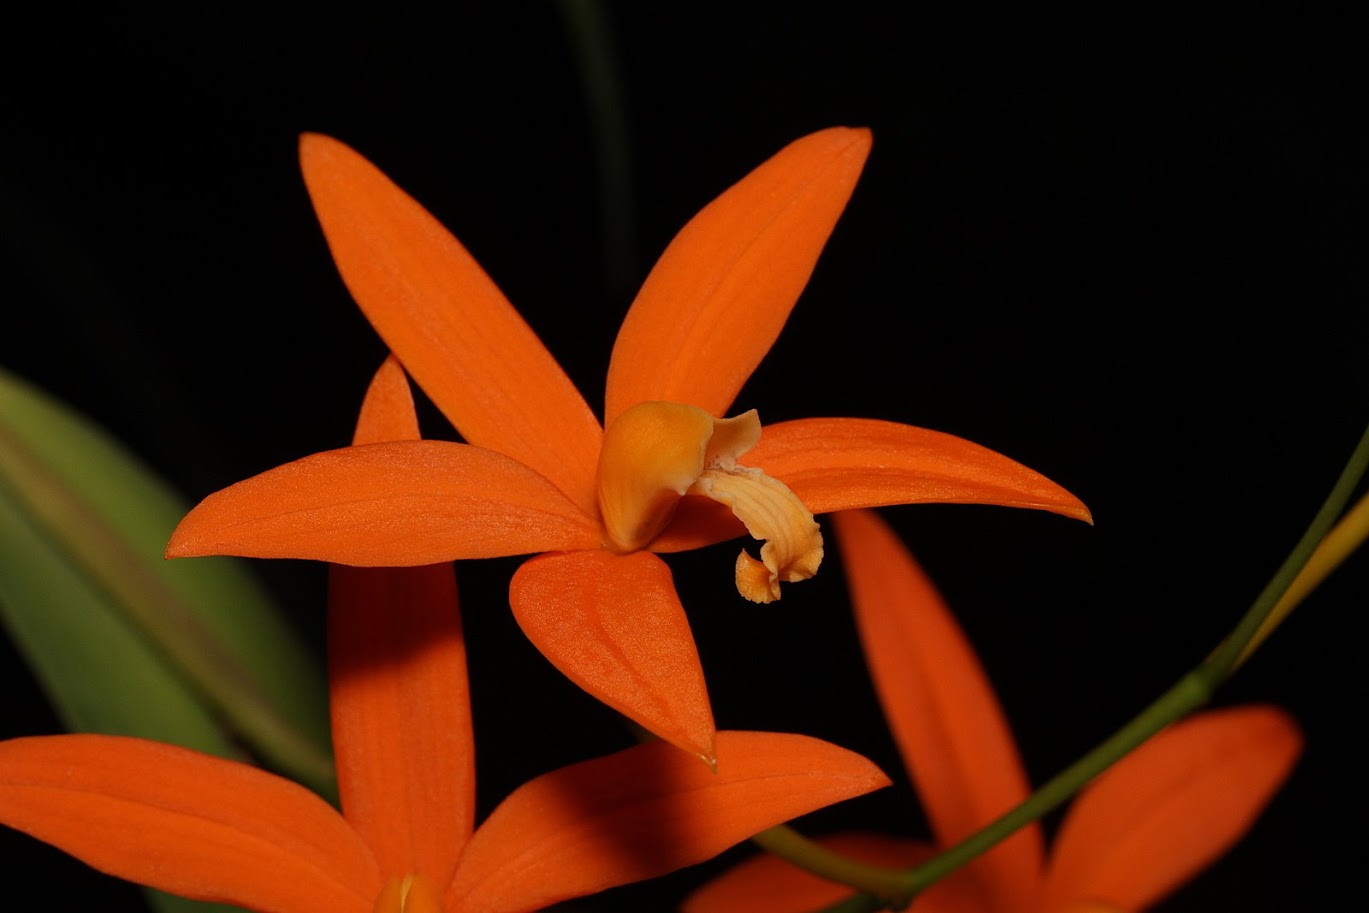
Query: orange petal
{"points": [[395, 504], [455, 332], [187, 823], [1171, 807], [940, 706], [769, 884], [613, 625], [400, 703], [401, 714], [644, 812], [387, 412], [840, 463], [723, 289]]}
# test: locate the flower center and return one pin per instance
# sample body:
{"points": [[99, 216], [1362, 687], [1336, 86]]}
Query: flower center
{"points": [[656, 453], [410, 894]]}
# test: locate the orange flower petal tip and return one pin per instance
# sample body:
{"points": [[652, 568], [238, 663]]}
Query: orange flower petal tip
{"points": [[747, 754], [640, 660], [853, 141], [315, 146], [1075, 511]]}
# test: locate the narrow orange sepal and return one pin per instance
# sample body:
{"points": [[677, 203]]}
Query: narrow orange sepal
{"points": [[399, 697], [401, 714], [643, 812], [454, 331], [1171, 807], [396, 504], [941, 708], [387, 411], [194, 825], [721, 292], [842, 463]]}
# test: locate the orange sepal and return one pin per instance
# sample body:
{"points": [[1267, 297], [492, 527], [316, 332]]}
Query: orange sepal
{"points": [[1171, 807], [613, 625], [841, 463], [452, 328], [940, 706], [644, 812], [769, 884], [398, 692], [395, 504], [720, 294], [387, 412], [194, 825], [401, 714]]}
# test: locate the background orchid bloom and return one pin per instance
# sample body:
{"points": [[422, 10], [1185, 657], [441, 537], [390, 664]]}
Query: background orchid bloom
{"points": [[1141, 829], [539, 474], [211, 829]]}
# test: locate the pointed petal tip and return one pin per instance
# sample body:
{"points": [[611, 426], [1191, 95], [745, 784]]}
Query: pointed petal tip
{"points": [[180, 545], [320, 153], [859, 139], [694, 738], [691, 737], [854, 144], [710, 757], [613, 624], [311, 144], [1079, 511], [697, 738]]}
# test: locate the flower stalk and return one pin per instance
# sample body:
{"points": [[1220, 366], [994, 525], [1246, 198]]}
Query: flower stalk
{"points": [[1321, 548]]}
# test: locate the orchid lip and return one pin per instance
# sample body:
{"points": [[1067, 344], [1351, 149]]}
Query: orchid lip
{"points": [[655, 453]]}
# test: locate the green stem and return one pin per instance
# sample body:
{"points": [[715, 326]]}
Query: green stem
{"points": [[591, 41], [1225, 658], [861, 903], [1349, 533], [788, 843]]}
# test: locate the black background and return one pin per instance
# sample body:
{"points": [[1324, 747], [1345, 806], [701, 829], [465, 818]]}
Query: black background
{"points": [[1123, 248]]}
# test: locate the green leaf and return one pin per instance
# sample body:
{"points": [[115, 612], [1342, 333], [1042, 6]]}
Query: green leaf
{"points": [[85, 525], [100, 673]]}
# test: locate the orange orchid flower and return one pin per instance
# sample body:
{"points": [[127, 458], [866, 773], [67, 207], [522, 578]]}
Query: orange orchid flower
{"points": [[211, 829], [1140, 830], [540, 474]]}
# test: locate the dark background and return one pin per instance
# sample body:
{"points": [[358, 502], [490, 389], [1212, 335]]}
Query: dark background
{"points": [[1125, 251]]}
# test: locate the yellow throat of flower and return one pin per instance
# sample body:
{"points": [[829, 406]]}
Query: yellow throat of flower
{"points": [[656, 453], [410, 894]]}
